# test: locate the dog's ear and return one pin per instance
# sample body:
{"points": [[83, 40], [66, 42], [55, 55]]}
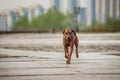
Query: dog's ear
{"points": [[74, 32], [63, 31]]}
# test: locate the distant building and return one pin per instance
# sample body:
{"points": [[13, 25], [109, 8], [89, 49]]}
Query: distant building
{"points": [[72, 4], [8, 18], [89, 9], [3, 22], [35, 10], [64, 5], [83, 19], [83, 16], [56, 4], [99, 10], [106, 8]]}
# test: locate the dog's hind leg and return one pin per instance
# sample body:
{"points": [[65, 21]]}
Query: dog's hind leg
{"points": [[76, 45]]}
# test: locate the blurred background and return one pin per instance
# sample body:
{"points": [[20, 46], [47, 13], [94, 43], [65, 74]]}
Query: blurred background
{"points": [[29, 49], [55, 15]]}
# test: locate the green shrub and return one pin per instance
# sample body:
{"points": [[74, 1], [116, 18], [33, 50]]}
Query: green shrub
{"points": [[21, 24]]}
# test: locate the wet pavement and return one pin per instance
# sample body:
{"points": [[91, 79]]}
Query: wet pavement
{"points": [[17, 63]]}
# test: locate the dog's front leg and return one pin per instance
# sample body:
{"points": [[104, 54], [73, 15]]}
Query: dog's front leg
{"points": [[69, 58], [77, 55], [65, 51]]}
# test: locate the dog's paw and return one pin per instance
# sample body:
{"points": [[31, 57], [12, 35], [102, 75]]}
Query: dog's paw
{"points": [[77, 56], [67, 62]]}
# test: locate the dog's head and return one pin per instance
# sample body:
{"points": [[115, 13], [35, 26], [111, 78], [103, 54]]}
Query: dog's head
{"points": [[68, 34]]}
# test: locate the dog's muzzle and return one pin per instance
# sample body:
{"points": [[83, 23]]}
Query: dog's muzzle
{"points": [[69, 39]]}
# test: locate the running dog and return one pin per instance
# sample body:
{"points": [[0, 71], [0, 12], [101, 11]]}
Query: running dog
{"points": [[69, 40]]}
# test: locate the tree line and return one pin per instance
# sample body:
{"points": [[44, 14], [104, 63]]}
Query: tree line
{"points": [[53, 19]]}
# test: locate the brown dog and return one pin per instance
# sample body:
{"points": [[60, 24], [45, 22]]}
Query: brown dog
{"points": [[69, 39]]}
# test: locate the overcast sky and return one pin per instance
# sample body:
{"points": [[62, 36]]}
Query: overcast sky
{"points": [[10, 4]]}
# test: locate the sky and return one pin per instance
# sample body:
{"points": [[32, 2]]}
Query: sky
{"points": [[10, 4]]}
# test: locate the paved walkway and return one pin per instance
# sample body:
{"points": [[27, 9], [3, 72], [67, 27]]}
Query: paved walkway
{"points": [[37, 65], [104, 42]]}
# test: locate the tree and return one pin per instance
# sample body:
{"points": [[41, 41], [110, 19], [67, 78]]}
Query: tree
{"points": [[21, 24], [70, 20], [36, 23], [54, 19]]}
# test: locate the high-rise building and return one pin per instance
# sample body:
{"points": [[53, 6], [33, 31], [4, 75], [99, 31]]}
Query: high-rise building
{"points": [[35, 10], [3, 22], [93, 6], [7, 19], [22, 11], [99, 10], [106, 8], [64, 5], [72, 4], [115, 9], [83, 16], [56, 3], [83, 19]]}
